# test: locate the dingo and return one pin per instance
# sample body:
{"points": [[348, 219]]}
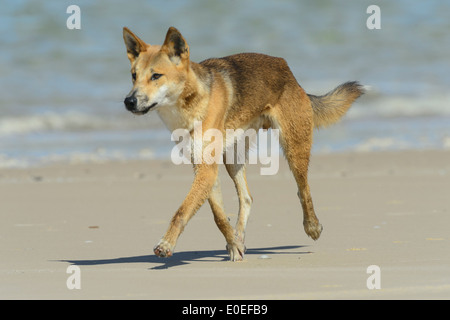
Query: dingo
{"points": [[241, 91]]}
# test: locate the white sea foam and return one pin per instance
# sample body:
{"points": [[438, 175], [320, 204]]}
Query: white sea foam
{"points": [[76, 157], [381, 144], [47, 122], [8, 162], [71, 121], [375, 104]]}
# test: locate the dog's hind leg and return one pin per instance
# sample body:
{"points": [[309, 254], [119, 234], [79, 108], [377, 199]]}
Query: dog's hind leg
{"points": [[237, 174], [293, 117], [235, 247]]}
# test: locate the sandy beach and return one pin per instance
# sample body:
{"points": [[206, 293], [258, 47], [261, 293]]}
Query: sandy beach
{"points": [[385, 209]]}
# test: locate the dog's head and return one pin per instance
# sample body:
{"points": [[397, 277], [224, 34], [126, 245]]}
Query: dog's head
{"points": [[158, 72]]}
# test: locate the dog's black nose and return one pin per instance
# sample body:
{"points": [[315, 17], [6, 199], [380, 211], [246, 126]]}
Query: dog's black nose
{"points": [[130, 103]]}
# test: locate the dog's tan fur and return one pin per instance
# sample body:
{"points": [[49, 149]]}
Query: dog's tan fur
{"points": [[245, 91]]}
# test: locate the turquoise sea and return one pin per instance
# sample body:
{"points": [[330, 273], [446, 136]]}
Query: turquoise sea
{"points": [[62, 90]]}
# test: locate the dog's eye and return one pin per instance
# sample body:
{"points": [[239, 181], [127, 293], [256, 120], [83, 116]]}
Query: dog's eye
{"points": [[133, 76], [155, 76]]}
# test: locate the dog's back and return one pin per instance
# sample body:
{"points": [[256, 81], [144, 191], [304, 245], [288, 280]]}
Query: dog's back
{"points": [[258, 81]]}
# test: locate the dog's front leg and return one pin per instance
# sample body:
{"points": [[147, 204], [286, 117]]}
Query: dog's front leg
{"points": [[205, 177]]}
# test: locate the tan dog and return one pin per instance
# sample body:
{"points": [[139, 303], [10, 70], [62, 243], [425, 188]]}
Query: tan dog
{"points": [[246, 90]]}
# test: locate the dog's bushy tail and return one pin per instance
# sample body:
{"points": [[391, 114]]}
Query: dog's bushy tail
{"points": [[330, 107]]}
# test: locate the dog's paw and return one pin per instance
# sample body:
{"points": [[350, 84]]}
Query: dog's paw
{"points": [[313, 229], [236, 249], [163, 249]]}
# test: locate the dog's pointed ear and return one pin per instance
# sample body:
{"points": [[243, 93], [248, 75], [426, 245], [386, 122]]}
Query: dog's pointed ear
{"points": [[176, 46], [133, 44]]}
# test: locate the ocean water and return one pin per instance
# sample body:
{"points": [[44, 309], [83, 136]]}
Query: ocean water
{"points": [[62, 90]]}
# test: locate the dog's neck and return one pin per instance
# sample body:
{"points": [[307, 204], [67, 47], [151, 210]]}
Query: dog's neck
{"points": [[192, 102], [195, 88]]}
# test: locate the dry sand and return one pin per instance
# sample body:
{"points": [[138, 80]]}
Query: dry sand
{"points": [[386, 209]]}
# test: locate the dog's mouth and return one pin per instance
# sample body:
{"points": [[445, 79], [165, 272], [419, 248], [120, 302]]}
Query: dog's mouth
{"points": [[144, 111]]}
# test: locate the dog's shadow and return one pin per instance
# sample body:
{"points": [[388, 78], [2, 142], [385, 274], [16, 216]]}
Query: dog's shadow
{"points": [[187, 257]]}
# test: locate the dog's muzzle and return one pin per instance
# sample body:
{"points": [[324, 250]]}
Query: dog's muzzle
{"points": [[131, 103]]}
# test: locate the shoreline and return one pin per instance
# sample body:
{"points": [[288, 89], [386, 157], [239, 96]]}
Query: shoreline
{"points": [[388, 209]]}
